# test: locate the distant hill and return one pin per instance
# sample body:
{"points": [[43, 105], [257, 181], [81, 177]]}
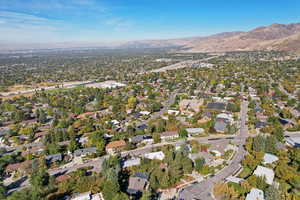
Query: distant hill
{"points": [[273, 37], [279, 37]]}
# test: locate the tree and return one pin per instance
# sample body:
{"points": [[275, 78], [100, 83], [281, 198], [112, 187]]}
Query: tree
{"points": [[199, 164], [156, 138], [278, 133], [96, 139], [110, 189], [42, 116], [74, 145], [2, 191], [259, 143], [271, 145], [39, 179], [272, 193], [146, 196], [183, 133]]}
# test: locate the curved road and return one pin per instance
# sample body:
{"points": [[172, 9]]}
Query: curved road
{"points": [[203, 190]]}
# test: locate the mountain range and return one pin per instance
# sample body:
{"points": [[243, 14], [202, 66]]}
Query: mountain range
{"points": [[280, 37]]}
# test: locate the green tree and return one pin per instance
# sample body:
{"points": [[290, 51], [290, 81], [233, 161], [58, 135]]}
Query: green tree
{"points": [[259, 143], [110, 189], [272, 193], [199, 164], [156, 138], [183, 133], [74, 145], [146, 195]]}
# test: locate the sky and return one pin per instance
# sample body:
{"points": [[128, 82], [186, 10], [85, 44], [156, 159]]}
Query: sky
{"points": [[50, 21]]}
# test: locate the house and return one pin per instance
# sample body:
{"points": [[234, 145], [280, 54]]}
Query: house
{"points": [[21, 167], [62, 178], [84, 152], [145, 112], [293, 141], [255, 194], [54, 158], [221, 126], [140, 138], [216, 106], [269, 158], [4, 131], [138, 183], [115, 146], [225, 116], [137, 139], [216, 153], [188, 106], [259, 124], [173, 112], [261, 117], [169, 135], [286, 122], [34, 150], [155, 155], [265, 172], [258, 109], [88, 196], [142, 127], [234, 179], [194, 131], [206, 117], [131, 162], [40, 134]]}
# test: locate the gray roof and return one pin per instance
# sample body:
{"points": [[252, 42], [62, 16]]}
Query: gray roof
{"points": [[131, 162], [4, 131], [220, 126], [137, 183], [54, 157], [255, 194], [80, 152], [293, 141], [216, 106], [192, 131], [137, 139], [260, 124]]}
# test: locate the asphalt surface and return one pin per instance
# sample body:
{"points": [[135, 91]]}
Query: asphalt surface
{"points": [[203, 190]]}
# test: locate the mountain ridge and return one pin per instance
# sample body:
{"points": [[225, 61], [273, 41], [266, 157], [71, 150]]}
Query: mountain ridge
{"points": [[278, 37]]}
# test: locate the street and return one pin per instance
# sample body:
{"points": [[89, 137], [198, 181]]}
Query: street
{"points": [[203, 190]]}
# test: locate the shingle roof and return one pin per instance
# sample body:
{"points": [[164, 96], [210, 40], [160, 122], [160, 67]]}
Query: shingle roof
{"points": [[216, 106], [269, 158], [266, 172], [220, 125], [169, 133], [115, 144], [136, 185], [80, 152], [255, 194]]}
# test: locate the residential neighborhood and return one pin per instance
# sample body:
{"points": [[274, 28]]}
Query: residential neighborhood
{"points": [[219, 131]]}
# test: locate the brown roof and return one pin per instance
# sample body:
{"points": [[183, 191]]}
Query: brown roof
{"points": [[115, 144], [169, 133], [62, 178], [136, 183], [16, 166], [40, 134], [33, 151]]}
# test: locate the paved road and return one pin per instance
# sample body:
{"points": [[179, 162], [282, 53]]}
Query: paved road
{"points": [[202, 190]]}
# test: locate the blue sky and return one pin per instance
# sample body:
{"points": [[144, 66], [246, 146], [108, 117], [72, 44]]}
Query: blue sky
{"points": [[44, 21]]}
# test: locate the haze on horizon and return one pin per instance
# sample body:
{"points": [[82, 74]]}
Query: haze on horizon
{"points": [[57, 21]]}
